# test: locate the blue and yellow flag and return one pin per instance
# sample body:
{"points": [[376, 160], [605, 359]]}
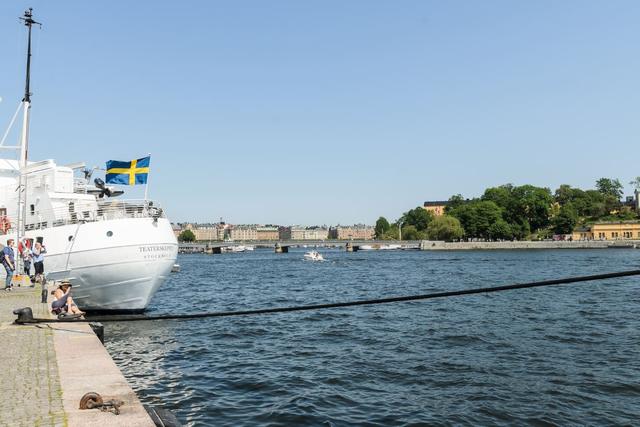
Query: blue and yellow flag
{"points": [[128, 173]]}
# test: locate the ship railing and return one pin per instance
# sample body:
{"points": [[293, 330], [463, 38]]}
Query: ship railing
{"points": [[102, 211], [79, 185]]}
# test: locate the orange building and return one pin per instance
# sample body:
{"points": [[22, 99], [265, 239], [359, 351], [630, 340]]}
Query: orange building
{"points": [[609, 231], [436, 207]]}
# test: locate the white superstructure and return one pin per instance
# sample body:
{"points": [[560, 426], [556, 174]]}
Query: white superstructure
{"points": [[115, 252]]}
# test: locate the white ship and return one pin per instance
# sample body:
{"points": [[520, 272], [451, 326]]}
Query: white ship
{"points": [[116, 253]]}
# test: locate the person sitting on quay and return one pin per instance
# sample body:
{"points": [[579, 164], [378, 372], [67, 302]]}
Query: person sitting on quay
{"points": [[63, 302], [9, 263]]}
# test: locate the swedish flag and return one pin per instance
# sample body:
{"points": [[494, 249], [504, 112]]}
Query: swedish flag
{"points": [[128, 173]]}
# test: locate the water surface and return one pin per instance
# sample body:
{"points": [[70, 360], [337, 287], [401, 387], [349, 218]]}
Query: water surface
{"points": [[556, 355]]}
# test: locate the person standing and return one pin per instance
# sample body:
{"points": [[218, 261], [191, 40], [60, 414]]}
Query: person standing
{"points": [[38, 258], [9, 263], [26, 260]]}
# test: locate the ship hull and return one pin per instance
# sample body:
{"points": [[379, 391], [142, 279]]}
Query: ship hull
{"points": [[114, 265]]}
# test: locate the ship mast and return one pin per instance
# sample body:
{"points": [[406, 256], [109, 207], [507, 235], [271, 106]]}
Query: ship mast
{"points": [[26, 101], [24, 139]]}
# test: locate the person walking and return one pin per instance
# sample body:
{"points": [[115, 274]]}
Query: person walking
{"points": [[38, 259], [9, 263]]}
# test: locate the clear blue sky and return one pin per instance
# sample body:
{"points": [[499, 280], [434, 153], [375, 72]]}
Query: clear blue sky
{"points": [[331, 112]]}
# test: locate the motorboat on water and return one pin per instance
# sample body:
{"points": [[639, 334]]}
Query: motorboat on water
{"points": [[390, 247], [313, 256], [377, 247], [116, 253], [239, 248], [175, 268]]}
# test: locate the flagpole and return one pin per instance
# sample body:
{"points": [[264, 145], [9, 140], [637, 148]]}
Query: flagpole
{"points": [[146, 184]]}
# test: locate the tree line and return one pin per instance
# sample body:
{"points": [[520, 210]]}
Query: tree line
{"points": [[509, 212]]}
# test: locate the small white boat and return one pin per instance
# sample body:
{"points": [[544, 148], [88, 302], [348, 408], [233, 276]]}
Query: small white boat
{"points": [[175, 268], [390, 247], [366, 248], [313, 256]]}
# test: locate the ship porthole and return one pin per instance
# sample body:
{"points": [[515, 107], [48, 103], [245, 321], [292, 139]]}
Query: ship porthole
{"points": [[70, 238], [109, 233]]}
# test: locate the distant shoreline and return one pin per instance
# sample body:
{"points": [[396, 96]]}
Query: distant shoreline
{"points": [[427, 245]]}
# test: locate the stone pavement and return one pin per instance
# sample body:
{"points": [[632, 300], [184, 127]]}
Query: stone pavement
{"points": [[47, 368], [29, 384]]}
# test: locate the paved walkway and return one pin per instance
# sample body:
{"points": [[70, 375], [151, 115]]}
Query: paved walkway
{"points": [[29, 383], [40, 388]]}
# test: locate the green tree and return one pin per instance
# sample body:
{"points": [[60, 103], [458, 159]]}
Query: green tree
{"points": [[391, 233], [594, 206], [530, 205], [410, 232], [382, 226], [566, 220], [564, 194], [187, 236], [524, 207], [611, 187], [454, 202], [445, 228], [418, 217], [477, 216], [636, 183], [581, 201], [501, 230], [501, 196]]}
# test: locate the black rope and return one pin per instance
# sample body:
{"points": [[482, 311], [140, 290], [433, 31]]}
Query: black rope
{"points": [[47, 326], [129, 318]]}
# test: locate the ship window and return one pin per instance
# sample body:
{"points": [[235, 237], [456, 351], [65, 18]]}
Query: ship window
{"points": [[70, 238], [32, 209], [109, 233]]}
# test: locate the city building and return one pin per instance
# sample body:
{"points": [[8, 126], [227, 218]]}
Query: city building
{"points": [[436, 207], [242, 233], [303, 233], [267, 233], [608, 231], [352, 232], [208, 233], [202, 232]]}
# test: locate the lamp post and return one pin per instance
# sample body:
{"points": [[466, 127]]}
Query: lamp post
{"points": [[400, 230]]}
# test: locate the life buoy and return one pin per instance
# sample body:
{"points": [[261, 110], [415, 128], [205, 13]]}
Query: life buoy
{"points": [[5, 224], [26, 243]]}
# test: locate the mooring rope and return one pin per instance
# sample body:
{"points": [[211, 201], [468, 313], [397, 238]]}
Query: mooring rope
{"points": [[130, 318]]}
